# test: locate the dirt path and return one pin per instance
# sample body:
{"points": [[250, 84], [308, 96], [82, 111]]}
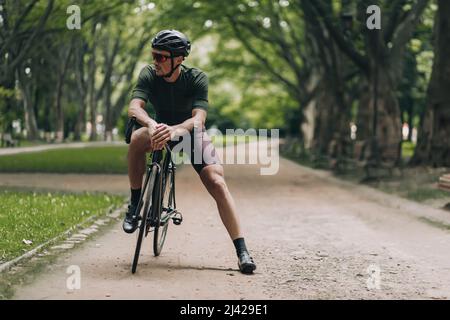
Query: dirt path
{"points": [[312, 238]]}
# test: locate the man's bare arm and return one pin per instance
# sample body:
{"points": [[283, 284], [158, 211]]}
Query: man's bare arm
{"points": [[165, 133], [137, 109], [198, 120]]}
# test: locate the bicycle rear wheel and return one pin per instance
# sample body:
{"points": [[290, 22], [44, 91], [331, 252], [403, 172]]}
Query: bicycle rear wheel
{"points": [[144, 211], [165, 205]]}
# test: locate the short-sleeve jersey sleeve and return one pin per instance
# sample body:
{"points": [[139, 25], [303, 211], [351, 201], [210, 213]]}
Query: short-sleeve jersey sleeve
{"points": [[200, 92], [143, 85]]}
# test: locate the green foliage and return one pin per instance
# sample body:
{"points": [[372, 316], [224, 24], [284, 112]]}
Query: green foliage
{"points": [[408, 149], [259, 56], [4, 114]]}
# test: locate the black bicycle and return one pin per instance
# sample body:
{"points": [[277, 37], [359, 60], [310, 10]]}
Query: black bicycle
{"points": [[157, 205]]}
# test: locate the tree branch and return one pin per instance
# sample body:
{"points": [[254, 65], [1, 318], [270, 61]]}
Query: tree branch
{"points": [[12, 35], [38, 29], [404, 30], [393, 19], [290, 86], [280, 46], [344, 45]]}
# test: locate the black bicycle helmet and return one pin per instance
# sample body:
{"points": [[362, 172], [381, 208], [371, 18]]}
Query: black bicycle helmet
{"points": [[173, 41]]}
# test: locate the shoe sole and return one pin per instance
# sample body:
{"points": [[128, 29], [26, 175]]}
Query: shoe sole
{"points": [[247, 268], [129, 231]]}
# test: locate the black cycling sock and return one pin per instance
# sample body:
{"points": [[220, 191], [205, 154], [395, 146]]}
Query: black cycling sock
{"points": [[239, 244], [135, 196]]}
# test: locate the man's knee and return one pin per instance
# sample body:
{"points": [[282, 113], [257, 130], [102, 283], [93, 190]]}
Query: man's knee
{"points": [[141, 139], [216, 184]]}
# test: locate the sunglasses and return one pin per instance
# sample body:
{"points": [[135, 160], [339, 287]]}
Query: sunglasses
{"points": [[160, 58]]}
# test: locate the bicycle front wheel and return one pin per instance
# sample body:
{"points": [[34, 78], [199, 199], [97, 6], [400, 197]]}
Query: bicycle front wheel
{"points": [[165, 205], [144, 209]]}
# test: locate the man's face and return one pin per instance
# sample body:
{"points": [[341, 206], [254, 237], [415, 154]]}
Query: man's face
{"points": [[161, 61]]}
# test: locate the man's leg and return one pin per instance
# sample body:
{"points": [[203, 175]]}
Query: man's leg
{"points": [[139, 146], [212, 177]]}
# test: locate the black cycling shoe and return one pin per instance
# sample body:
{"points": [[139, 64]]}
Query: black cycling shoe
{"points": [[246, 263], [130, 223]]}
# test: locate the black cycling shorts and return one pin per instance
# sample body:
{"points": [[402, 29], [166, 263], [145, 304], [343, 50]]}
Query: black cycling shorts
{"points": [[201, 150]]}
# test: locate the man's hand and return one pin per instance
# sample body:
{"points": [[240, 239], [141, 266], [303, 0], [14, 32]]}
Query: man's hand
{"points": [[151, 131], [162, 134]]}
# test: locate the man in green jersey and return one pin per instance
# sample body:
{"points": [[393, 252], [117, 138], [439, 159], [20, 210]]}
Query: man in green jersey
{"points": [[179, 96]]}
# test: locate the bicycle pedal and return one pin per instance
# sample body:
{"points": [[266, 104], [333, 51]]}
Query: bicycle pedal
{"points": [[177, 219]]}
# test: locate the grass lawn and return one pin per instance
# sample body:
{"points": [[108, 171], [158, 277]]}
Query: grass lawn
{"points": [[28, 219], [108, 159], [26, 143]]}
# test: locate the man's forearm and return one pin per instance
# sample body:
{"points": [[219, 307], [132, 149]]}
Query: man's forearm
{"points": [[141, 116], [188, 125]]}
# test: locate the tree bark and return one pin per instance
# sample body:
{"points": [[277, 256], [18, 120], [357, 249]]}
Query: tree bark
{"points": [[59, 91], [433, 147], [381, 65], [28, 103], [92, 68], [81, 83]]}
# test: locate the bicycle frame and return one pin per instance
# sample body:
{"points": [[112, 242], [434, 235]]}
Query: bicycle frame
{"points": [[157, 205], [156, 158]]}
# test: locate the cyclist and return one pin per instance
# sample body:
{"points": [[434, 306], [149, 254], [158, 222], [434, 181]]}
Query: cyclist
{"points": [[179, 95]]}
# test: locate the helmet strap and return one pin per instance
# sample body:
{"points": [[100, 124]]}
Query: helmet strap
{"points": [[169, 74]]}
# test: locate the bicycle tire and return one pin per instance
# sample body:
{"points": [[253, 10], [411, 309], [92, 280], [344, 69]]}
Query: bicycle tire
{"points": [[148, 191], [164, 193]]}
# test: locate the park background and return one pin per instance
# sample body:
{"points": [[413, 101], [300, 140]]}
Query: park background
{"points": [[370, 105]]}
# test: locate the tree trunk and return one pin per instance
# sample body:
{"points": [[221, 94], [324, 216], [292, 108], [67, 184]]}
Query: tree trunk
{"points": [[59, 91], [433, 147], [81, 49], [388, 123], [365, 113], [59, 113], [91, 86], [108, 112], [28, 105], [324, 126], [92, 104], [30, 118], [80, 122]]}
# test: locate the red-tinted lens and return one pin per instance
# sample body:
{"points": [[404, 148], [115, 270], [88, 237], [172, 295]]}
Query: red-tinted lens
{"points": [[159, 57]]}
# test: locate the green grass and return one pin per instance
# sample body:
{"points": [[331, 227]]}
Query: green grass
{"points": [[434, 223], [39, 217], [26, 143], [109, 159], [423, 194]]}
